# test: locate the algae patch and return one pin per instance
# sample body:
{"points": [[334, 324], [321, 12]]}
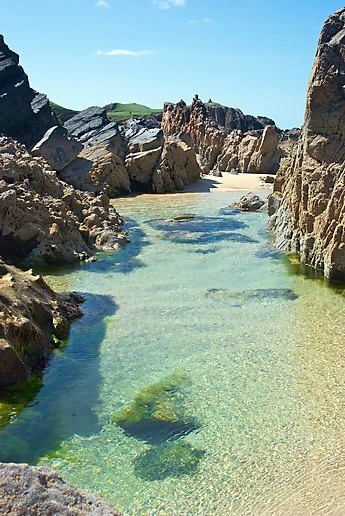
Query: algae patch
{"points": [[168, 460], [157, 413], [15, 398]]}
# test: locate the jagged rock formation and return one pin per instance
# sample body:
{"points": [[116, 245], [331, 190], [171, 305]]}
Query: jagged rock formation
{"points": [[225, 138], [32, 316], [308, 205], [256, 153], [24, 114], [45, 220], [37, 491], [57, 148]]}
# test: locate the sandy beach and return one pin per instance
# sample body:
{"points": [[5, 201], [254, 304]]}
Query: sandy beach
{"points": [[229, 183]]}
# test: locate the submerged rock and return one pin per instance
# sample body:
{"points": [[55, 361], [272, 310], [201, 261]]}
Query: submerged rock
{"points": [[249, 202], [261, 294], [28, 490], [32, 318], [157, 413], [168, 460]]}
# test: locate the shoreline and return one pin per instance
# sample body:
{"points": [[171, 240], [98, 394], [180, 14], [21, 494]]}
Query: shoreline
{"points": [[210, 184]]}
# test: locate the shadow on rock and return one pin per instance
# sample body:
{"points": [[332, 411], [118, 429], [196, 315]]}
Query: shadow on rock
{"points": [[66, 404]]}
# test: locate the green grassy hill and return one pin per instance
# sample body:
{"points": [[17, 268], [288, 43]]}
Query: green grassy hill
{"points": [[118, 111], [62, 114]]}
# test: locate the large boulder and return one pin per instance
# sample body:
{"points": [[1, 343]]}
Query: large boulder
{"points": [[141, 167], [32, 318], [178, 167], [146, 139], [42, 219], [57, 148], [25, 114], [109, 137], [97, 169], [87, 124], [37, 491], [308, 205]]}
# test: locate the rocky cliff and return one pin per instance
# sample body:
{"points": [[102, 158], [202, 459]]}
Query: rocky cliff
{"points": [[40, 492], [44, 220], [308, 205], [32, 319], [225, 139], [24, 114]]}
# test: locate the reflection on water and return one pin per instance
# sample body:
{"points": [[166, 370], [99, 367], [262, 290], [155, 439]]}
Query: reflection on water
{"points": [[266, 381]]}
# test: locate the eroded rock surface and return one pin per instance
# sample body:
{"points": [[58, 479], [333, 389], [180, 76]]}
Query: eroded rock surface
{"points": [[25, 114], [97, 169], [32, 316], [308, 205], [42, 219], [227, 140], [37, 491]]}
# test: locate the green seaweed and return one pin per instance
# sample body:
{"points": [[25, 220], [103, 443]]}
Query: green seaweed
{"points": [[157, 413], [168, 460], [15, 398]]}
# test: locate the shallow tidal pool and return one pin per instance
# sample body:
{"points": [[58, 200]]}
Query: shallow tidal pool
{"points": [[206, 377]]}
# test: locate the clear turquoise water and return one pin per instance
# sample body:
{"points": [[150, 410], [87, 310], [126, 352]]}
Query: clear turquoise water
{"points": [[266, 373]]}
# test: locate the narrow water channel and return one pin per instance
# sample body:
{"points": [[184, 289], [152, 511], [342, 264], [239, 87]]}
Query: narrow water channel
{"points": [[239, 362]]}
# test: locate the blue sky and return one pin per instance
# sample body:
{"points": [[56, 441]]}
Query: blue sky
{"points": [[251, 54]]}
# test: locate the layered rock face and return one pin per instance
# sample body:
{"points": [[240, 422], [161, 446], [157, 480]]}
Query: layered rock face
{"points": [[225, 138], [38, 491], [32, 316], [24, 114], [308, 205], [42, 219]]}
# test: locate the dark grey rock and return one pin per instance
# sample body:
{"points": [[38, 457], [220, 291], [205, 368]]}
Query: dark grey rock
{"points": [[249, 202], [30, 491], [111, 138], [86, 124], [25, 115], [146, 139], [57, 148]]}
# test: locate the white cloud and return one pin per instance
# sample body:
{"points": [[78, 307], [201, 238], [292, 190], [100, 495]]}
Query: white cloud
{"points": [[166, 4], [123, 52], [201, 20], [102, 3]]}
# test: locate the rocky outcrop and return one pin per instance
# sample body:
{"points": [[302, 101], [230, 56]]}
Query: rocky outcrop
{"points": [[225, 138], [97, 169], [32, 319], [25, 114], [37, 491], [178, 168], [308, 205], [57, 148], [254, 153], [42, 219]]}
